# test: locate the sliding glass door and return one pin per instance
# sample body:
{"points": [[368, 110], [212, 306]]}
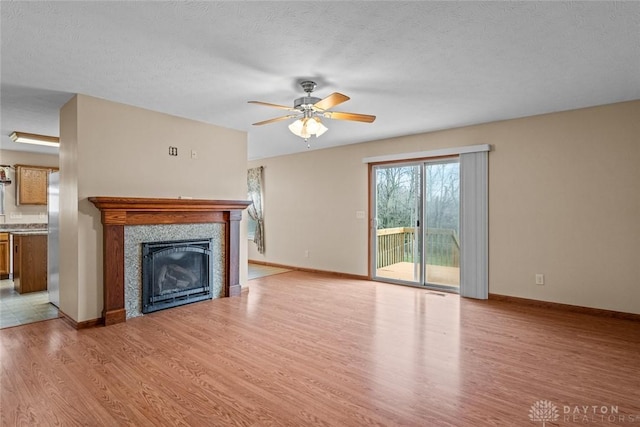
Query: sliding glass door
{"points": [[416, 227], [442, 223], [398, 206]]}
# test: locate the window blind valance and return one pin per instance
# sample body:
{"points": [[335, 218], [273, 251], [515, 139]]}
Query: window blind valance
{"points": [[431, 153]]}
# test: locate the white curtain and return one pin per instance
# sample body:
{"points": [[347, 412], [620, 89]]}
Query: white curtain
{"points": [[474, 225], [255, 210]]}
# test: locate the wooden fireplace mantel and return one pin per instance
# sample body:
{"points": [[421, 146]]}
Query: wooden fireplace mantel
{"points": [[120, 211]]}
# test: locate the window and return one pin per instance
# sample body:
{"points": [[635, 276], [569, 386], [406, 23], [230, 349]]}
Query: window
{"points": [[251, 228]]}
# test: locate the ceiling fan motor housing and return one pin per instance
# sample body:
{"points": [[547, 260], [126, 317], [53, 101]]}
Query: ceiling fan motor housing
{"points": [[305, 103]]}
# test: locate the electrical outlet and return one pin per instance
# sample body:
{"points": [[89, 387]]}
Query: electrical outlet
{"points": [[539, 279], [194, 154], [306, 253], [173, 151]]}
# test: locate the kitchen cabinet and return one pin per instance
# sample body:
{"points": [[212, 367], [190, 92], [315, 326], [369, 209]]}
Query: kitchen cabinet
{"points": [[31, 184], [4, 255], [29, 262]]}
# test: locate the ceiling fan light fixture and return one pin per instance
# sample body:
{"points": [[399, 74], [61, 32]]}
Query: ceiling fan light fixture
{"points": [[320, 128], [32, 138], [297, 128], [312, 126], [307, 127]]}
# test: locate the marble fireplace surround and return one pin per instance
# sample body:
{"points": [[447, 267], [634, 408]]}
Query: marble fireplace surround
{"points": [[118, 212]]}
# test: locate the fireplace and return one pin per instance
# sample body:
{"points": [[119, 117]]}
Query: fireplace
{"points": [[119, 213], [176, 273]]}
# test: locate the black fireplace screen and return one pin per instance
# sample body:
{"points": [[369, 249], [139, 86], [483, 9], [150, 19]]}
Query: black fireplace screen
{"points": [[176, 273]]}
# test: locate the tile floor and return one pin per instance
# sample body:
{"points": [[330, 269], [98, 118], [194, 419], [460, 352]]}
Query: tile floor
{"points": [[16, 309]]}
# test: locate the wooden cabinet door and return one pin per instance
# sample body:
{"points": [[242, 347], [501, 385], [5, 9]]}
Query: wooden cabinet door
{"points": [[31, 184], [4, 255], [30, 263], [16, 263]]}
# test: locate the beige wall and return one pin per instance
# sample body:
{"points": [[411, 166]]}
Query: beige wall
{"points": [[69, 257], [120, 150], [564, 200], [24, 214]]}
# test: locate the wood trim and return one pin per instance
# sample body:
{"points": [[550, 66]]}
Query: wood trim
{"points": [[113, 274], [144, 204], [565, 307], [311, 270], [79, 325], [117, 212]]}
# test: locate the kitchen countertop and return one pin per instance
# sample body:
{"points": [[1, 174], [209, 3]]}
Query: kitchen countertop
{"points": [[30, 232], [23, 228]]}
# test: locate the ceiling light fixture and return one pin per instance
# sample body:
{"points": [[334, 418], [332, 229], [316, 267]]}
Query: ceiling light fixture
{"points": [[32, 138], [308, 126]]}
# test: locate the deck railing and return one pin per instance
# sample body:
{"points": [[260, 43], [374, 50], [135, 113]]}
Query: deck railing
{"points": [[397, 245]]}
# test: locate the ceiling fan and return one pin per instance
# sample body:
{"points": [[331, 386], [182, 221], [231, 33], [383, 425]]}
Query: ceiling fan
{"points": [[308, 110]]}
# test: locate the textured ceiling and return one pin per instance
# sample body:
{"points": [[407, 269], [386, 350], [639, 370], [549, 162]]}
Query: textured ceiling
{"points": [[418, 66]]}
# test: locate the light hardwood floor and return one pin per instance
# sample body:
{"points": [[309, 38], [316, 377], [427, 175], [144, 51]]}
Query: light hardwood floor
{"points": [[436, 274], [304, 349]]}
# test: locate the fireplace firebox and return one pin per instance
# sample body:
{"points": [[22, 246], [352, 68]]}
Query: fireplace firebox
{"points": [[176, 273]]}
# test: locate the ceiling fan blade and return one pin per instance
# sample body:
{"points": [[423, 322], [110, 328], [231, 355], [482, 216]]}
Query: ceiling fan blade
{"points": [[349, 116], [283, 107], [331, 101], [277, 119]]}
